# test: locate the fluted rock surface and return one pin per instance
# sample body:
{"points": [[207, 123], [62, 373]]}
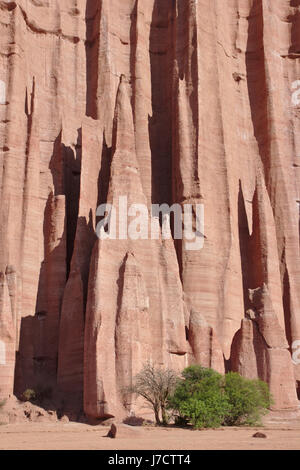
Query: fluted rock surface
{"points": [[161, 101]]}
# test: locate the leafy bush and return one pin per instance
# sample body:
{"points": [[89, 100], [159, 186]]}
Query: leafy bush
{"points": [[208, 399], [199, 398], [248, 399], [29, 395]]}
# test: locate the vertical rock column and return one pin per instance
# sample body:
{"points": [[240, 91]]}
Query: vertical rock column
{"points": [[71, 336], [7, 340], [71, 330], [260, 349], [52, 284], [132, 324], [102, 385], [197, 161]]}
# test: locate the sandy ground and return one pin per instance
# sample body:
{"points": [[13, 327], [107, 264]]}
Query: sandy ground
{"points": [[73, 436]]}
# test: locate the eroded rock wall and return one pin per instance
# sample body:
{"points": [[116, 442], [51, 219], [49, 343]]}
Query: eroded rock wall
{"points": [[161, 101]]}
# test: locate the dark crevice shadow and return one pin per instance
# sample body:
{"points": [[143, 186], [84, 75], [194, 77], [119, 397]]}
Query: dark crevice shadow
{"points": [[36, 360], [257, 82], [104, 174], [24, 375], [160, 124], [227, 365], [120, 284], [72, 177], [253, 274], [298, 389], [133, 56], [295, 30], [244, 239], [46, 327], [56, 166], [29, 113], [287, 306], [65, 166], [259, 343], [92, 44], [188, 70], [257, 268], [85, 240]]}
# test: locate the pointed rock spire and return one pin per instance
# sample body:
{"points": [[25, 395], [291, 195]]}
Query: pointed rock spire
{"points": [[71, 336], [132, 322], [7, 340]]}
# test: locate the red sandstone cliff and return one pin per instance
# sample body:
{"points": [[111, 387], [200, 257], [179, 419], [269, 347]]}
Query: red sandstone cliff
{"points": [[162, 101]]}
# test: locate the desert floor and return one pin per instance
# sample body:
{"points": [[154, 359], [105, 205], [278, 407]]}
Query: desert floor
{"points": [[73, 436]]}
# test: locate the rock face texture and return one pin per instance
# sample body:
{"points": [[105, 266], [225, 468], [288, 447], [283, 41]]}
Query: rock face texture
{"points": [[161, 102]]}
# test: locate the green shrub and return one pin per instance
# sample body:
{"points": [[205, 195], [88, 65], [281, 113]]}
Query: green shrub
{"points": [[29, 395], [248, 399], [200, 399], [207, 399]]}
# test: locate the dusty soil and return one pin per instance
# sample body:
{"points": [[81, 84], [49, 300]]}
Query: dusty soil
{"points": [[72, 436], [24, 426]]}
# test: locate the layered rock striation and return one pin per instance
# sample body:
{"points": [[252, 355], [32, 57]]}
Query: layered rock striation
{"points": [[159, 102]]}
